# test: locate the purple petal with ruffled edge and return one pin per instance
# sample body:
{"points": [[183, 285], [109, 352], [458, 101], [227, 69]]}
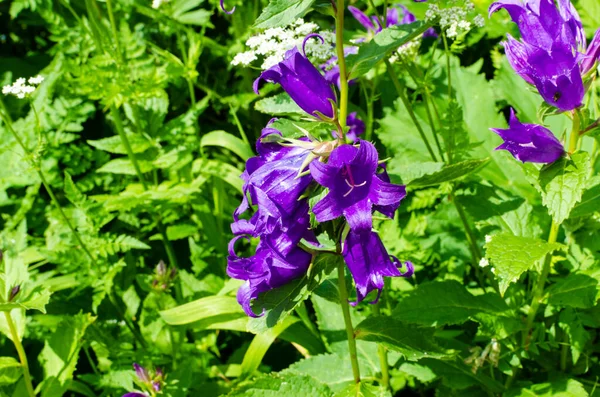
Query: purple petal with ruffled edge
{"points": [[592, 55], [354, 188], [222, 4], [529, 142], [362, 18], [369, 262], [303, 82]]}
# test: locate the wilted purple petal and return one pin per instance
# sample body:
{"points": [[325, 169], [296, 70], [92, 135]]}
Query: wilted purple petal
{"points": [[529, 142], [303, 82], [362, 18], [369, 262]]}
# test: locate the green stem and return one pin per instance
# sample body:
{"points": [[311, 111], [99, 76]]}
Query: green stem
{"points": [[339, 44], [21, 352], [447, 52], [382, 353], [125, 141], [564, 352], [574, 138], [538, 291], [239, 125], [400, 88], [348, 322], [115, 32], [468, 231]]}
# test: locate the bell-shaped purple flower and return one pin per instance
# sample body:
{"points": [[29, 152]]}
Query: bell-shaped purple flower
{"points": [[354, 186], [531, 143], [303, 82], [271, 183], [357, 127], [397, 14], [369, 262]]}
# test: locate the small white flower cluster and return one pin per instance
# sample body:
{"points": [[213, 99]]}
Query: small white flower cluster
{"points": [[272, 44], [157, 3], [406, 51], [20, 88], [454, 20]]}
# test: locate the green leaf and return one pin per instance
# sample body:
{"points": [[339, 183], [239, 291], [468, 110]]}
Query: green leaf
{"points": [[570, 322], [449, 173], [332, 369], [590, 200], [412, 341], [457, 375], [445, 302], [125, 167], [282, 13], [286, 384], [60, 352], [278, 105], [226, 140], [590, 14], [576, 290], [224, 171], [139, 143], [10, 371], [379, 47], [183, 11], [279, 302], [511, 256], [363, 389], [558, 388], [561, 184], [260, 344], [205, 312]]}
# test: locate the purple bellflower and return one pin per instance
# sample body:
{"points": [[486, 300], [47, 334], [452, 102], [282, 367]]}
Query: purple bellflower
{"points": [[396, 15], [369, 262], [552, 52], [149, 381], [355, 189], [303, 82], [356, 127], [531, 143]]}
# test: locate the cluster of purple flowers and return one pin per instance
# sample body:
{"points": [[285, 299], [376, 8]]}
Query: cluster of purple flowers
{"points": [[276, 183], [552, 55]]}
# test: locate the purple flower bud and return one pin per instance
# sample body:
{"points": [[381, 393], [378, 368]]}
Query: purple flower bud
{"points": [[529, 142], [303, 82], [369, 262], [363, 19], [141, 373], [13, 292], [222, 4], [156, 386], [354, 187]]}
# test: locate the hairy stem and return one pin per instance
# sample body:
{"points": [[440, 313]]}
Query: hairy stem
{"points": [[21, 352], [339, 45], [574, 138], [382, 353], [400, 89], [348, 322]]}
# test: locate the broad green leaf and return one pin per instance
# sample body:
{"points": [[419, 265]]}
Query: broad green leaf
{"points": [[421, 372], [332, 369], [445, 302], [226, 172], [60, 352], [570, 322], [381, 45], [139, 143], [414, 342], [282, 13], [184, 11], [204, 312], [226, 140], [576, 290], [590, 200], [125, 167], [363, 389], [278, 105], [36, 299], [561, 184], [457, 375], [449, 173], [511, 256], [590, 14], [279, 302], [261, 343], [10, 371], [558, 388], [286, 384]]}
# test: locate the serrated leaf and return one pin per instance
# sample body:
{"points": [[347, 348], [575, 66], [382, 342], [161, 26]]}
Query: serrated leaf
{"points": [[332, 369], [379, 47], [286, 384], [363, 389], [457, 375], [561, 184], [278, 105], [570, 322], [226, 140], [445, 302], [576, 290], [590, 200], [449, 173], [511, 256], [282, 13], [10, 371], [279, 302], [558, 388], [414, 342]]}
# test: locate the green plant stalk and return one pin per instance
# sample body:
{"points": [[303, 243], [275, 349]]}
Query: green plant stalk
{"points": [[21, 352], [115, 32], [400, 89], [574, 138], [447, 53], [382, 353], [468, 231], [348, 322], [538, 291], [339, 44], [161, 227], [564, 352]]}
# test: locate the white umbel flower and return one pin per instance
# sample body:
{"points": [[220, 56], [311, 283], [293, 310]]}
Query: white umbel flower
{"points": [[20, 88], [484, 262], [157, 3], [455, 21]]}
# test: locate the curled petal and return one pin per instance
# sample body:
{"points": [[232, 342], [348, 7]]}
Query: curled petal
{"points": [[310, 36], [222, 4]]}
